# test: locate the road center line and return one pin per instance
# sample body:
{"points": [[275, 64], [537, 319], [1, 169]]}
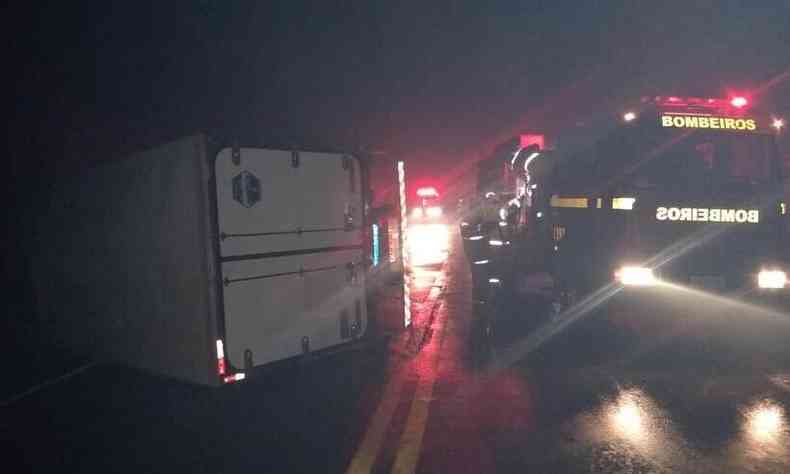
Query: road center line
{"points": [[411, 440], [368, 450]]}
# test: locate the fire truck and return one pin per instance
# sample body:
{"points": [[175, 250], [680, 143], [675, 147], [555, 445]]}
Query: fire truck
{"points": [[428, 206], [675, 192], [428, 229]]}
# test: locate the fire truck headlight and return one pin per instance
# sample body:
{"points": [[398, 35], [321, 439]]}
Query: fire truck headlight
{"points": [[771, 279], [635, 276], [416, 212], [434, 211]]}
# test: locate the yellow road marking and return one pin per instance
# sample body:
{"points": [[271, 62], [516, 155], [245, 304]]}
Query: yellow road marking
{"points": [[411, 440], [369, 449]]}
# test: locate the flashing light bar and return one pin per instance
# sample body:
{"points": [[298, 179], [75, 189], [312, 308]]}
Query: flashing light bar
{"points": [[532, 139], [496, 243], [739, 102], [481, 262], [476, 237], [429, 191]]}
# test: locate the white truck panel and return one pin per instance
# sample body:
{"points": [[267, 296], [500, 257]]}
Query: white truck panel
{"points": [[133, 266], [125, 267], [299, 207], [331, 195], [270, 306], [292, 251]]}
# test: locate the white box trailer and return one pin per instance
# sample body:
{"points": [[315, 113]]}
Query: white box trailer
{"points": [[201, 262]]}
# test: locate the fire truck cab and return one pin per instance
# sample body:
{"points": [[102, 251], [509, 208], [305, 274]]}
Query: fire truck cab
{"points": [[681, 193]]}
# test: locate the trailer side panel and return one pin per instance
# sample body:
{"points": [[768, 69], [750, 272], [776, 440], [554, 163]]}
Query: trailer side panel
{"points": [[124, 267]]}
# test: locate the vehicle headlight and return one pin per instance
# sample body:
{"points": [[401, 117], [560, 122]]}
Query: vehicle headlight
{"points": [[434, 211], [635, 276], [771, 279], [416, 212]]}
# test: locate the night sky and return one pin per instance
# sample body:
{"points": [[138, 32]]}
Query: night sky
{"points": [[435, 83], [427, 79]]}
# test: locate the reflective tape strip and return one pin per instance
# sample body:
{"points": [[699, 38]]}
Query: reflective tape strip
{"points": [[626, 203], [557, 201], [404, 244]]}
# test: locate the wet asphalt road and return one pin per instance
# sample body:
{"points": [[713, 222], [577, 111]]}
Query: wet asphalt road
{"points": [[683, 382]]}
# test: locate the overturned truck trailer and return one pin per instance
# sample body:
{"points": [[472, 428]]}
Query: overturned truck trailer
{"points": [[201, 262]]}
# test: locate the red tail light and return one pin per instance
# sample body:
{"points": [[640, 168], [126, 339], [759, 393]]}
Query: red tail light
{"points": [[220, 357]]}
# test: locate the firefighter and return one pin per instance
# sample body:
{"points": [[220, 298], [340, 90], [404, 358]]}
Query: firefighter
{"points": [[484, 223]]}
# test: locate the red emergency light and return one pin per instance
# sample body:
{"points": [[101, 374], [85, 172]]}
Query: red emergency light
{"points": [[532, 139], [428, 191], [739, 102]]}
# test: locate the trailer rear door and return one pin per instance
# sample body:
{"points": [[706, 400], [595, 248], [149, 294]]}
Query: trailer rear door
{"points": [[292, 252]]}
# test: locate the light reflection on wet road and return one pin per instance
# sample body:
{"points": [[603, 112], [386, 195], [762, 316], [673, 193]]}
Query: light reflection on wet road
{"points": [[630, 392], [609, 394], [630, 431]]}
